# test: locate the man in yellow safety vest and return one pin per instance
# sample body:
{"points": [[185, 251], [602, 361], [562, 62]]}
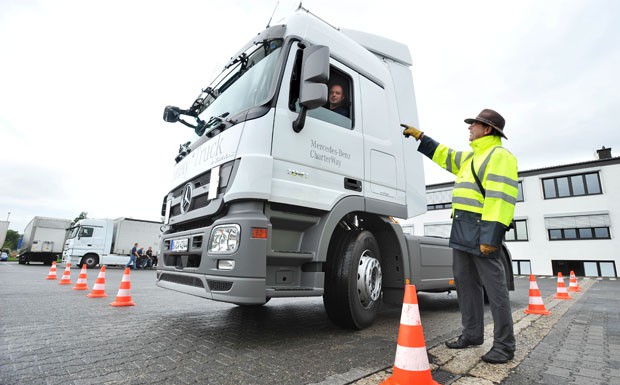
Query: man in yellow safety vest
{"points": [[483, 202]]}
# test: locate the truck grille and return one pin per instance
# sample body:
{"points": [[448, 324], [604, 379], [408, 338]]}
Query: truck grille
{"points": [[182, 279], [201, 200]]}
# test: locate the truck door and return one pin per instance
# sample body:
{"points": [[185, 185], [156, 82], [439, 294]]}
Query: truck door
{"points": [[84, 242], [384, 173], [324, 162]]}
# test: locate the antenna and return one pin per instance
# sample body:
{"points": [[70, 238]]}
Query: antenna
{"points": [[301, 7], [273, 13]]}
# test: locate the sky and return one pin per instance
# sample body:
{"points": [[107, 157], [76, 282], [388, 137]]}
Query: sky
{"points": [[83, 85]]}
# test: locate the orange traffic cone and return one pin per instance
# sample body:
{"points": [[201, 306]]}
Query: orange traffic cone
{"points": [[66, 276], [123, 298], [99, 287], [52, 273], [562, 293], [411, 362], [536, 305], [573, 285], [81, 282]]}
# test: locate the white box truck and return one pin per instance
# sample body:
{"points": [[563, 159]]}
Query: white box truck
{"points": [[4, 227], [279, 195], [109, 241], [43, 240]]}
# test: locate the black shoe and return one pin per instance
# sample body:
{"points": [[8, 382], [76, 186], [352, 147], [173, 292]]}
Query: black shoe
{"points": [[462, 343], [497, 357]]}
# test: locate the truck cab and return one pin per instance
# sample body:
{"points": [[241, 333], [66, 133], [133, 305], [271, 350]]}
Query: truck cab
{"points": [[88, 240], [280, 196]]}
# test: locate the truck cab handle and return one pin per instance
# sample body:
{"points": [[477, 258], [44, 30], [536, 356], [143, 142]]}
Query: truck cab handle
{"points": [[352, 184]]}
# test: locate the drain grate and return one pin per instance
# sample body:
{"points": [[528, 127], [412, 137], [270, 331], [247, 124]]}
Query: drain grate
{"points": [[445, 378]]}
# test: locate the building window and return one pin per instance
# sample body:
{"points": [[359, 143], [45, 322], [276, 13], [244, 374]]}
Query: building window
{"points": [[572, 185], [585, 226], [439, 206], [441, 230], [439, 199], [520, 193], [599, 269], [408, 229], [521, 267], [580, 233], [518, 232]]}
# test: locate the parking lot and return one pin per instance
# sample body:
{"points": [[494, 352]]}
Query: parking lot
{"points": [[51, 334]]}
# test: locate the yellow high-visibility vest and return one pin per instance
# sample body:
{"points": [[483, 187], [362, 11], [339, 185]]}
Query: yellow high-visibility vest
{"points": [[496, 168]]}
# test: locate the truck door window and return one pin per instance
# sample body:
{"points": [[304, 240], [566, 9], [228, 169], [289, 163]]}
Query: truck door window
{"points": [[86, 232], [339, 107]]}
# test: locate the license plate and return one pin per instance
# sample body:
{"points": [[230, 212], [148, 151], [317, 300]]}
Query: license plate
{"points": [[179, 244]]}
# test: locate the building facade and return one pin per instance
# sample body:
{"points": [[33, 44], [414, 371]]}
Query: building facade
{"points": [[565, 217]]}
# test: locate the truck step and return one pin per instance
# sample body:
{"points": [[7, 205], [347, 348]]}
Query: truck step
{"points": [[292, 258]]}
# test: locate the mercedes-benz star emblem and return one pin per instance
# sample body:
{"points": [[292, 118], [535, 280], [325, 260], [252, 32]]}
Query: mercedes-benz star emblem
{"points": [[186, 198]]}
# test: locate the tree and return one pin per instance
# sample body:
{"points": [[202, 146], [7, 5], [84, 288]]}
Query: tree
{"points": [[83, 215], [12, 238]]}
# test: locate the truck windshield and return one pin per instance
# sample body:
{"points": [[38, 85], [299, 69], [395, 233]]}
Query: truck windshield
{"points": [[243, 84], [74, 232]]}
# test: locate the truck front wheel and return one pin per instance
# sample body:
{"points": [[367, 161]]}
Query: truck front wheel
{"points": [[90, 261], [353, 281]]}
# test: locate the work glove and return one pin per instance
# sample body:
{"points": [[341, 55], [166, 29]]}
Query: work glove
{"points": [[487, 249], [412, 131]]}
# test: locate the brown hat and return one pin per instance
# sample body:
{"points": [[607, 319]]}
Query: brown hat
{"points": [[490, 118]]}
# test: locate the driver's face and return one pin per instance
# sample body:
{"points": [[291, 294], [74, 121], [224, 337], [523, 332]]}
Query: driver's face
{"points": [[336, 95]]}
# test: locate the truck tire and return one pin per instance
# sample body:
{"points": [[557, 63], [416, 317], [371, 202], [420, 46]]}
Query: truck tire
{"points": [[90, 260], [22, 260], [353, 281]]}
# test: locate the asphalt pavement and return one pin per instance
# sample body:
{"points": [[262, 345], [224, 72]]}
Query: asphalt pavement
{"points": [[51, 334]]}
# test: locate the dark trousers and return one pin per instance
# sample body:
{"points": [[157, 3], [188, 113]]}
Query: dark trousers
{"points": [[471, 274]]}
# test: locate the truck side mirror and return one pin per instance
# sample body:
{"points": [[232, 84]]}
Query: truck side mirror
{"points": [[171, 114], [314, 78]]}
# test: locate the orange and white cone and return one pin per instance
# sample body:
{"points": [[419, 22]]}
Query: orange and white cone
{"points": [[99, 286], [123, 298], [561, 293], [573, 285], [52, 274], [66, 276], [81, 283], [411, 362], [536, 305]]}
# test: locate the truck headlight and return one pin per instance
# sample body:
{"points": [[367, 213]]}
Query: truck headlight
{"points": [[224, 239]]}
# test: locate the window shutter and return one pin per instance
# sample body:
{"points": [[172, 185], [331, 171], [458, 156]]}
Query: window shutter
{"points": [[578, 221]]}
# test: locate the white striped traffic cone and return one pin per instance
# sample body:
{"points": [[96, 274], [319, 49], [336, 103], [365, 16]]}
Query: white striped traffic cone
{"points": [[66, 276], [572, 284], [123, 298], [536, 305], [561, 293], [52, 274], [81, 283], [99, 286], [411, 362]]}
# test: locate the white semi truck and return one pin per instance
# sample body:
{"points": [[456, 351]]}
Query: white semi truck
{"points": [[43, 240], [109, 241], [279, 196]]}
